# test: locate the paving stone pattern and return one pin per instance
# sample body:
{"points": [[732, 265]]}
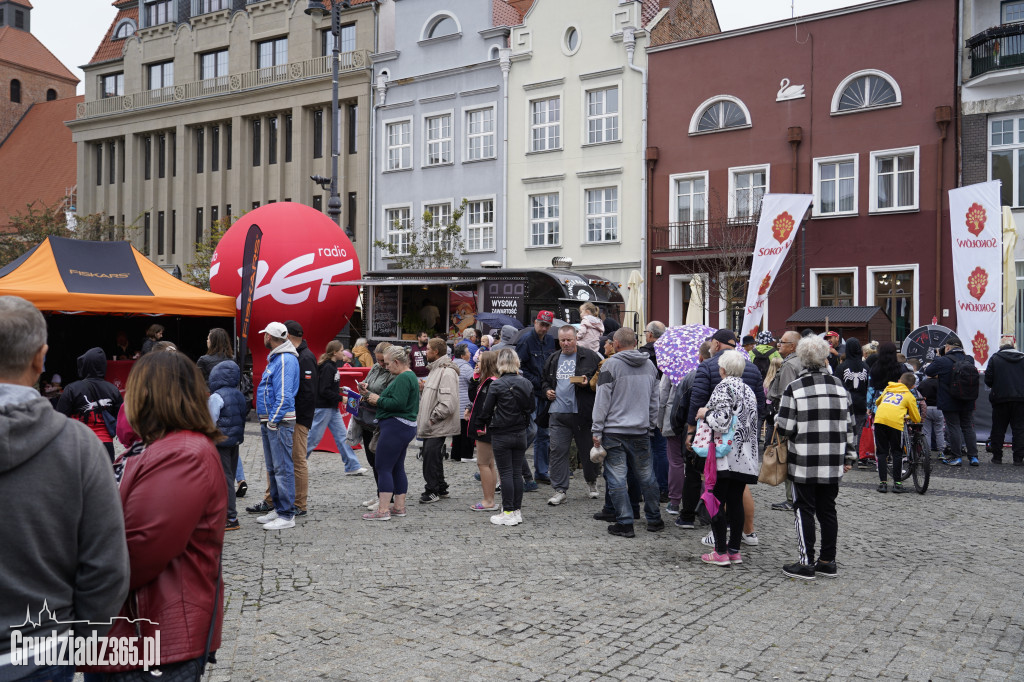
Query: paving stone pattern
{"points": [[930, 588]]}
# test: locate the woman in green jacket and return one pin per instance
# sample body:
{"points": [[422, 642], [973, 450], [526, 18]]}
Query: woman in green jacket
{"points": [[397, 406]]}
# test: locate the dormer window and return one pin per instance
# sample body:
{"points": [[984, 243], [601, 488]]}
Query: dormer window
{"points": [[125, 29]]}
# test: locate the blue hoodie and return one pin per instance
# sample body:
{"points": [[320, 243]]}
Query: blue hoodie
{"points": [[275, 396], [230, 416]]}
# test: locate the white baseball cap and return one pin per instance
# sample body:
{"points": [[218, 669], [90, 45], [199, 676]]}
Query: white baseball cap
{"points": [[276, 329]]}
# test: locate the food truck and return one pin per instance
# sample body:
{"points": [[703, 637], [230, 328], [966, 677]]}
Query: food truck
{"points": [[398, 304]]}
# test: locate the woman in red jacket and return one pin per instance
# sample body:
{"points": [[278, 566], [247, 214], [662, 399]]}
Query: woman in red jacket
{"points": [[174, 502]]}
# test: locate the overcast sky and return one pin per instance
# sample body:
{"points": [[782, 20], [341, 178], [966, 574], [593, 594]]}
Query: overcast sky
{"points": [[73, 28]]}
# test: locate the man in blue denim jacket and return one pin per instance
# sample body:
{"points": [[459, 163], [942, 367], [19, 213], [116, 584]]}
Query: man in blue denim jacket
{"points": [[275, 406]]}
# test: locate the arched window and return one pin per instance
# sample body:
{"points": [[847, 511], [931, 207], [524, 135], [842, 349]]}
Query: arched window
{"points": [[51, 95], [720, 113], [867, 89], [124, 29], [439, 25], [16, 90]]}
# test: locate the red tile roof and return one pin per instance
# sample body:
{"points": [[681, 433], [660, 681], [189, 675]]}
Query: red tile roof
{"points": [[110, 48], [649, 10], [38, 157], [24, 49], [504, 14], [23, 3]]}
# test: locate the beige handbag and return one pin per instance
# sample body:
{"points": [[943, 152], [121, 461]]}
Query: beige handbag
{"points": [[773, 464]]}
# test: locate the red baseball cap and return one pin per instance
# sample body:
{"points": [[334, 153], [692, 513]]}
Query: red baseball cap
{"points": [[546, 316], [828, 334]]}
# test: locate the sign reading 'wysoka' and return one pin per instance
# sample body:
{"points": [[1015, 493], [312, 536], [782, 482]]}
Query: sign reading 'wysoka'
{"points": [[302, 253], [977, 267]]}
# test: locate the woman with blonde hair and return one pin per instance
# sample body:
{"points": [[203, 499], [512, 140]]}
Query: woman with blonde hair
{"points": [[479, 388], [507, 412], [375, 382], [397, 406], [174, 501]]}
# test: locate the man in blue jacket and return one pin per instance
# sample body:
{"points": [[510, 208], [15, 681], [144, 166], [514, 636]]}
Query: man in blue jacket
{"points": [[959, 414], [275, 406], [533, 350]]}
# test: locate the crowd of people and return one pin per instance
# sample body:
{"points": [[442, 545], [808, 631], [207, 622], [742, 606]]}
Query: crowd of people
{"points": [[689, 447]]}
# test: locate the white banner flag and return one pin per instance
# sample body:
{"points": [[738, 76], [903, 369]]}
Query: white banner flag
{"points": [[781, 215], [977, 267]]}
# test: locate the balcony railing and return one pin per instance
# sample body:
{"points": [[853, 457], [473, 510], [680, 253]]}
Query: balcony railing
{"points": [[318, 67], [1000, 47], [704, 235]]}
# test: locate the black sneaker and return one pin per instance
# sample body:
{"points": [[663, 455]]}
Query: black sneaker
{"points": [[622, 530], [301, 512], [826, 568], [655, 526], [898, 488], [663, 498], [685, 523], [542, 479], [232, 524], [605, 516], [883, 487], [428, 498], [783, 506], [798, 570], [242, 488], [260, 508]]}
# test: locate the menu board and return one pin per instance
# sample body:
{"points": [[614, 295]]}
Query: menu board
{"points": [[385, 312], [505, 297]]}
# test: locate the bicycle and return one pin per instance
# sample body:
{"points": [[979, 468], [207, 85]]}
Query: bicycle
{"points": [[916, 461]]}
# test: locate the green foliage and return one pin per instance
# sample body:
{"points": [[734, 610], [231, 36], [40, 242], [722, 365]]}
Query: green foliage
{"points": [[38, 222], [430, 245], [197, 272]]}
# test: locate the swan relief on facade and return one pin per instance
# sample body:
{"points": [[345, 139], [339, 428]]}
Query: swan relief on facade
{"points": [[787, 91]]}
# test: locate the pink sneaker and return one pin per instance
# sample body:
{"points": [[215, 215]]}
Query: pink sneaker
{"points": [[377, 516], [715, 558], [735, 558]]}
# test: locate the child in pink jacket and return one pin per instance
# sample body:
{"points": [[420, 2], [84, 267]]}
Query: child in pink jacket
{"points": [[591, 328]]}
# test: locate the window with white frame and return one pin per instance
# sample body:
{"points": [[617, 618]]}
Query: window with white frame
{"points": [[835, 288], [719, 113], [1012, 12], [438, 135], [398, 225], [480, 225], [480, 134], [544, 220], [602, 215], [690, 211], [747, 187], [398, 137], [603, 115], [1006, 157], [835, 186], [545, 124], [894, 185], [440, 217], [866, 90]]}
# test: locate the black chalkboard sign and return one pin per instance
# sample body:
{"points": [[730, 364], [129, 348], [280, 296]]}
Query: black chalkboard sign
{"points": [[385, 312]]}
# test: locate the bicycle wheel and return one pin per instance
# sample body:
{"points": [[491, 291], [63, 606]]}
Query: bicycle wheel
{"points": [[922, 464]]}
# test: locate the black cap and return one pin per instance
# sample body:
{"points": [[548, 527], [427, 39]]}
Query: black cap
{"points": [[725, 336], [747, 340], [294, 328]]}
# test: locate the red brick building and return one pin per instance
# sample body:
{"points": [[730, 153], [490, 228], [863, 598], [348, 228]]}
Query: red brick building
{"points": [[853, 106]]}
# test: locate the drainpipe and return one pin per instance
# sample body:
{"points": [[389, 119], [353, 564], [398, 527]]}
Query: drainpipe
{"points": [[381, 87], [943, 115], [630, 41], [796, 136], [505, 60]]}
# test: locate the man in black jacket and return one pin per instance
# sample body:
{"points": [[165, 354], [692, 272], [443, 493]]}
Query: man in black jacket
{"points": [[305, 409], [566, 385], [959, 413], [1005, 376], [92, 399]]}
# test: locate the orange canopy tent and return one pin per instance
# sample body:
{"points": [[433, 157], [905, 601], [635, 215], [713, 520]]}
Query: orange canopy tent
{"points": [[77, 276]]}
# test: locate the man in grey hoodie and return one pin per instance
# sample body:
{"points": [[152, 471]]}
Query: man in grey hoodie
{"points": [[64, 546], [622, 425], [508, 337]]}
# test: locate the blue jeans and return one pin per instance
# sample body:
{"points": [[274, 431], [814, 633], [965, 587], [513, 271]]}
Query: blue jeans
{"points": [[277, 455], [625, 453], [659, 460], [239, 472], [540, 448], [329, 418]]}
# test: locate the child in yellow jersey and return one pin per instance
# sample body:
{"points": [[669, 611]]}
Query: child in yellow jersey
{"points": [[896, 402]]}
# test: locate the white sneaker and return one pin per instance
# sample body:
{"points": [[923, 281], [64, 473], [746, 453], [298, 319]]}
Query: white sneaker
{"points": [[749, 539], [279, 523], [708, 539], [557, 499], [375, 506], [593, 490], [504, 519], [370, 503], [358, 472], [266, 518], [519, 516]]}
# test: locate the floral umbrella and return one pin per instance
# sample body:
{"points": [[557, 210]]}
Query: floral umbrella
{"points": [[676, 350]]}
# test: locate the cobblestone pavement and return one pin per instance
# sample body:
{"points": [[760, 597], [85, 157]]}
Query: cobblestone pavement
{"points": [[930, 588]]}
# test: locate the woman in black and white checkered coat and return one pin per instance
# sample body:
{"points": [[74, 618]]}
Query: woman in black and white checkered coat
{"points": [[815, 415]]}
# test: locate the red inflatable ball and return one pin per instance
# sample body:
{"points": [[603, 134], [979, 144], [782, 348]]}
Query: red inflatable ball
{"points": [[302, 252]]}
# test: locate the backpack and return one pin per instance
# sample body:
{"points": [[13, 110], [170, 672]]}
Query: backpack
{"points": [[963, 379], [762, 361]]}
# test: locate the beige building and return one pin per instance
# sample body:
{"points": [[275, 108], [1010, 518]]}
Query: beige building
{"points": [[200, 109]]}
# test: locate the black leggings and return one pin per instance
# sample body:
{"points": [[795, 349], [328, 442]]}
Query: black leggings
{"points": [[729, 493], [509, 455], [888, 441]]}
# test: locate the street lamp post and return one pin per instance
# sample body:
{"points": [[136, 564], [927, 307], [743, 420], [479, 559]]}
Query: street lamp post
{"points": [[316, 8]]}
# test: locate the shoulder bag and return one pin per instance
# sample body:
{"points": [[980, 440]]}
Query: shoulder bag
{"points": [[773, 465]]}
